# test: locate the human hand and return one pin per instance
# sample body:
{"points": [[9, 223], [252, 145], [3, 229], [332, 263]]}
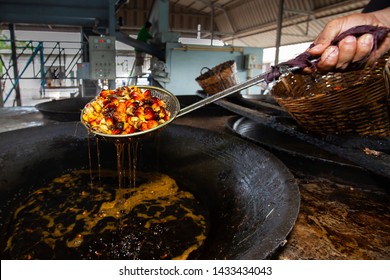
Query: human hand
{"points": [[350, 49]]}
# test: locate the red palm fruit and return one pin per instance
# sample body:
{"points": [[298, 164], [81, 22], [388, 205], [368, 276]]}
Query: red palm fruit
{"points": [[129, 129], [162, 113], [105, 93], [144, 126], [147, 94], [116, 131], [137, 95], [121, 108], [139, 112], [115, 101], [109, 121], [152, 124], [149, 114], [98, 119], [154, 100]]}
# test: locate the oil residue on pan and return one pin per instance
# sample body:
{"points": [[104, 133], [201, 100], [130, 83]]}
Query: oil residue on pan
{"points": [[250, 198], [72, 219]]}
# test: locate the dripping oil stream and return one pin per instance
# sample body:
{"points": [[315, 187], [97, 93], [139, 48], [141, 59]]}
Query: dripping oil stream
{"points": [[121, 178], [98, 161], [132, 149], [124, 180], [90, 161]]}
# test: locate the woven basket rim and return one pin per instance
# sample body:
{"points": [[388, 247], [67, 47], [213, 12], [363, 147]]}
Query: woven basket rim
{"points": [[339, 103], [317, 83], [216, 70]]}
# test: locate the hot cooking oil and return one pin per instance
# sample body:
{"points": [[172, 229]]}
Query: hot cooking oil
{"points": [[70, 219]]}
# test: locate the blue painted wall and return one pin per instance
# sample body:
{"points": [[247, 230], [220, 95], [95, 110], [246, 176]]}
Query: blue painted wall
{"points": [[184, 66]]}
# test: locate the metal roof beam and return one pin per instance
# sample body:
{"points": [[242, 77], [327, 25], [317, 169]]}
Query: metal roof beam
{"points": [[46, 12]]}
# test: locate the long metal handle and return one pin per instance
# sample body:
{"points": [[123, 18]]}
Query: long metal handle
{"points": [[226, 92]]}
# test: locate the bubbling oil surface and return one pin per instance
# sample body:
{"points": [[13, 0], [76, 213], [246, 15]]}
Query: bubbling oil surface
{"points": [[72, 219]]}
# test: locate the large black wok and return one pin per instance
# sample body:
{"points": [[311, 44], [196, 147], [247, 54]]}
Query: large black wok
{"points": [[63, 110], [251, 196]]}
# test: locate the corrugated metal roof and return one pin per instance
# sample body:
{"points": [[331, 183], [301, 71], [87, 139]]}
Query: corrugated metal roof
{"points": [[255, 22], [250, 22]]}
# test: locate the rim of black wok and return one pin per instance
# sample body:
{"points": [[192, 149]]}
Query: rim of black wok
{"points": [[173, 106]]}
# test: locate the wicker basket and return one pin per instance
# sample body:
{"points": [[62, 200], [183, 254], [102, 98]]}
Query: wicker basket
{"points": [[353, 103], [218, 78]]}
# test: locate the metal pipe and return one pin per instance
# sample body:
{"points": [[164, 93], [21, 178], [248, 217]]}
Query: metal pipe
{"points": [[17, 78], [208, 48]]}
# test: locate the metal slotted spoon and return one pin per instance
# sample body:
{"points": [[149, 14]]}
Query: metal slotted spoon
{"points": [[173, 105]]}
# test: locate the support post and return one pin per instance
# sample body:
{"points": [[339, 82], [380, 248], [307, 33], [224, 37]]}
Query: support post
{"points": [[212, 23], [15, 65], [279, 31], [111, 31], [43, 73], [1, 91]]}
